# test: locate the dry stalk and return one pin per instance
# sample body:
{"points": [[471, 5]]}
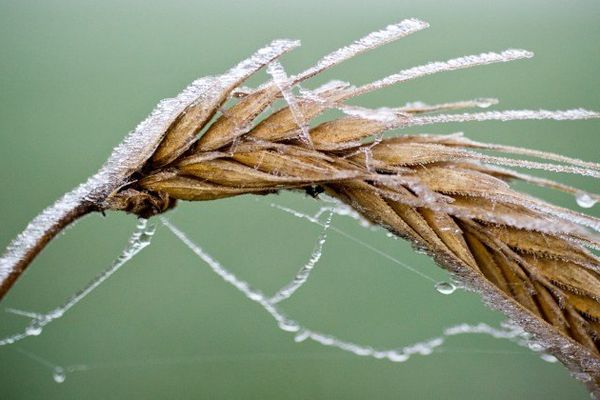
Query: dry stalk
{"points": [[526, 258]]}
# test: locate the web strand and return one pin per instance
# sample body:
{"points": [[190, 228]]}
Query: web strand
{"points": [[375, 250], [280, 78], [302, 276], [139, 240]]}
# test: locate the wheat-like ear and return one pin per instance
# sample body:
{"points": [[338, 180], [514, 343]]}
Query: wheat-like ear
{"points": [[527, 258]]}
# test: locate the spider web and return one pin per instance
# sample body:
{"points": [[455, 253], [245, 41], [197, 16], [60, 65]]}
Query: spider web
{"points": [[271, 304]]}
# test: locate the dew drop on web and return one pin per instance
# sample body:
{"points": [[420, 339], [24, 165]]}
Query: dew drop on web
{"points": [[395, 356], [59, 375], [301, 336], [445, 287], [34, 329], [289, 326]]}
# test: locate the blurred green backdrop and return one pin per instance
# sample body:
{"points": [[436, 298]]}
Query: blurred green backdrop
{"points": [[75, 76]]}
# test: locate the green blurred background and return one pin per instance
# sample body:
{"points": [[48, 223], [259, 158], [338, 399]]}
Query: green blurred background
{"points": [[75, 76]]}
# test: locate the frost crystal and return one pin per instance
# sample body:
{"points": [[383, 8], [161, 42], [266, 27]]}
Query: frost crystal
{"points": [[420, 107]]}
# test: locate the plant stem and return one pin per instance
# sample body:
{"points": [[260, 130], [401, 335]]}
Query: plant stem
{"points": [[22, 250]]}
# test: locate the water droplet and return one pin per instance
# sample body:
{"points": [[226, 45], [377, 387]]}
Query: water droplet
{"points": [[289, 325], [486, 103], [395, 356], [445, 287], [301, 336], [34, 329], [458, 283], [549, 358], [585, 200], [324, 339], [59, 375], [535, 346], [365, 351]]}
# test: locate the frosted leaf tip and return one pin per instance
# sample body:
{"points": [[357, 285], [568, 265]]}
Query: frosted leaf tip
{"points": [[517, 53], [285, 43], [415, 23]]}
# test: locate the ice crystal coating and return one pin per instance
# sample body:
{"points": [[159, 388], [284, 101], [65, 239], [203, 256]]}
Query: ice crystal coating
{"points": [[509, 115], [441, 66], [368, 42]]}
